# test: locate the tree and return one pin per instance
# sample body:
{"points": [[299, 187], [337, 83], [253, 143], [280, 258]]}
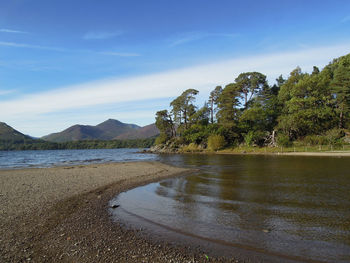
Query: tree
{"points": [[183, 106], [165, 124], [341, 88], [228, 105], [249, 84], [213, 101], [280, 81], [307, 104], [201, 116]]}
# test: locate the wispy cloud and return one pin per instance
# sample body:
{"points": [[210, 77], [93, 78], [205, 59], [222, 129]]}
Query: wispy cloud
{"points": [[346, 19], [107, 53], [102, 35], [23, 45], [120, 54], [164, 84], [6, 30], [6, 92], [194, 36]]}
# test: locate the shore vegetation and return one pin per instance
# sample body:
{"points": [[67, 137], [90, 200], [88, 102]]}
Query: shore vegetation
{"points": [[304, 112]]}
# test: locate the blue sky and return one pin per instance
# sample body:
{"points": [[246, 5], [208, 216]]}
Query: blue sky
{"points": [[67, 62]]}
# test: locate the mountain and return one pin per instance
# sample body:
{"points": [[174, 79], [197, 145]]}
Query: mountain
{"points": [[74, 133], [9, 133], [107, 130], [112, 128], [141, 133]]}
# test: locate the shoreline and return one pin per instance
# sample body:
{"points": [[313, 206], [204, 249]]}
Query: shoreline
{"points": [[326, 154], [61, 214], [243, 152]]}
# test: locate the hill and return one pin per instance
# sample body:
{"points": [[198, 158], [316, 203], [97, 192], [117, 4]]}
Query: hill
{"points": [[112, 128], [107, 130], [142, 133], [8, 133]]}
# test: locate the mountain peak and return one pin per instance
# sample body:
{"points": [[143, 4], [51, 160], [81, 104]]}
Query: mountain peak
{"points": [[106, 130], [9, 133]]}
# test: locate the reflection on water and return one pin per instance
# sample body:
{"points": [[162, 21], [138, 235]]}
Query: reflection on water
{"points": [[288, 207]]}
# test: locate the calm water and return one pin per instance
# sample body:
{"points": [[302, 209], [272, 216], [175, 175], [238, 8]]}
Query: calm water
{"points": [[27, 159], [273, 208]]}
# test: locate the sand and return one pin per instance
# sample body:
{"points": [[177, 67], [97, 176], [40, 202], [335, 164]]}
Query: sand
{"points": [[61, 215]]}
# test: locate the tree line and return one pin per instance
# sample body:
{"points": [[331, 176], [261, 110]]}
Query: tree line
{"points": [[31, 144], [312, 108]]}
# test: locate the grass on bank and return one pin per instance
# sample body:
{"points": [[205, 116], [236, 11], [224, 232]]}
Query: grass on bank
{"points": [[262, 150]]}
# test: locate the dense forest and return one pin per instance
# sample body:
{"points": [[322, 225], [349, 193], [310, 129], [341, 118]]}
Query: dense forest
{"points": [[35, 144], [304, 109]]}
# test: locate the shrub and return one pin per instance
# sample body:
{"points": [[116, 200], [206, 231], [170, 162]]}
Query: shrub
{"points": [[283, 140], [216, 142], [192, 147], [161, 139], [249, 138], [333, 136], [255, 137], [315, 140]]}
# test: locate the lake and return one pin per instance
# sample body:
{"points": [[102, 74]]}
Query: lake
{"points": [[49, 158], [273, 208]]}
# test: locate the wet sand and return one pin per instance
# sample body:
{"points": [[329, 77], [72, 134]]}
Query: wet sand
{"points": [[60, 215]]}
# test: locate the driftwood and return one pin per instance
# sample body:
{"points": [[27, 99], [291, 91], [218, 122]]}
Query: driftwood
{"points": [[270, 140]]}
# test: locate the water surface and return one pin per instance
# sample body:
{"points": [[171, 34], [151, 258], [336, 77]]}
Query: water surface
{"points": [[274, 208], [49, 158]]}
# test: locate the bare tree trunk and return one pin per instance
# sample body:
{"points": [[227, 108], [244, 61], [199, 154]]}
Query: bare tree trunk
{"points": [[273, 138]]}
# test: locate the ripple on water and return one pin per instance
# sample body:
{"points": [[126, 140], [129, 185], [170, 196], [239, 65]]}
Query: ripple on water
{"points": [[277, 208]]}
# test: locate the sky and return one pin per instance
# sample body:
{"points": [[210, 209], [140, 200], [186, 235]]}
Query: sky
{"points": [[83, 61]]}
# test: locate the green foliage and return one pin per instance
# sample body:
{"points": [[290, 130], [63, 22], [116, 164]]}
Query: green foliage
{"points": [[192, 147], [341, 88], [198, 133], [248, 138], [315, 140], [249, 84], [228, 105], [334, 136], [183, 108], [213, 101], [304, 107], [161, 139], [284, 140], [8, 145], [254, 137], [165, 124], [216, 142]]}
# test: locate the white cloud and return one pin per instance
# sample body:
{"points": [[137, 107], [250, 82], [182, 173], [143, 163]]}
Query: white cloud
{"points": [[161, 85], [6, 92], [194, 36], [102, 35], [5, 30]]}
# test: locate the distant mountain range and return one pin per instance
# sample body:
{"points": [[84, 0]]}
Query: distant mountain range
{"points": [[107, 130], [9, 133]]}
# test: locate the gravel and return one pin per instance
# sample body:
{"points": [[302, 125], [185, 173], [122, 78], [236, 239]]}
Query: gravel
{"points": [[60, 215]]}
